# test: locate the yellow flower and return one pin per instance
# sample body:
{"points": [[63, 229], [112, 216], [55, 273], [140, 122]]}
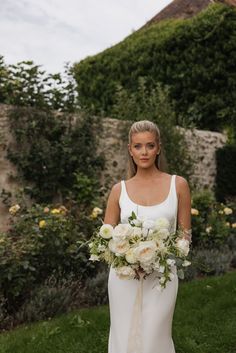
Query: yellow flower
{"points": [[13, 209], [2, 240], [233, 225], [194, 212], [46, 210], [55, 211], [221, 212], [227, 224], [95, 212], [42, 224], [228, 210]]}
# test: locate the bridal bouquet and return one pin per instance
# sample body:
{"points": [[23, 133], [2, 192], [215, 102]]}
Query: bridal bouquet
{"points": [[141, 246]]}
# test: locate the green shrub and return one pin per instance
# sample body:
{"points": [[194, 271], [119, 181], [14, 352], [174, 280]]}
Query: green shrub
{"points": [[226, 172], [212, 222], [194, 57], [42, 241], [50, 152]]}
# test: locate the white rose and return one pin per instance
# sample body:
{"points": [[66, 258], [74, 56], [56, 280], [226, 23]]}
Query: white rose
{"points": [[136, 232], [161, 223], [130, 256], [183, 246], [145, 252], [149, 224], [94, 258], [186, 263], [106, 231], [125, 272], [118, 247], [122, 231], [163, 233]]}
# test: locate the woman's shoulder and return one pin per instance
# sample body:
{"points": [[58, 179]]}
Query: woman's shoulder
{"points": [[181, 184], [116, 190]]}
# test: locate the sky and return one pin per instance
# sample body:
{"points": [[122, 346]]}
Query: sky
{"points": [[53, 32]]}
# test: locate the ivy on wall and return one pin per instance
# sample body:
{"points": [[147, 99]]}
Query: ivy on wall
{"points": [[53, 154]]}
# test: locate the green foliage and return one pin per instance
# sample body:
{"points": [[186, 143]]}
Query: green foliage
{"points": [[212, 222], [194, 57], [42, 241], [226, 172], [26, 84], [154, 104], [50, 152]]}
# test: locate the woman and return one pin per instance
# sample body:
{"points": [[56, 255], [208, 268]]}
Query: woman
{"points": [[150, 193]]}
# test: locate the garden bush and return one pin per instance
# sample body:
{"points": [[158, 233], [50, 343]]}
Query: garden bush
{"points": [[43, 242]]}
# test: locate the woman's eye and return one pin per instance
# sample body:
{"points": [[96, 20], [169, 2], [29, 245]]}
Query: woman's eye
{"points": [[137, 146], [151, 146]]}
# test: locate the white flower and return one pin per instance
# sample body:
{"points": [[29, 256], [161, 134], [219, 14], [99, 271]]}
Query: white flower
{"points": [[130, 256], [186, 263], [161, 223], [122, 231], [101, 248], [183, 246], [163, 233], [14, 209], [145, 251], [162, 269], [94, 258], [161, 247], [106, 231], [90, 245], [136, 232], [170, 262], [125, 272], [118, 247], [149, 224]]}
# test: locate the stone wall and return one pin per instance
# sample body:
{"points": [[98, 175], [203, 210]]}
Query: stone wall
{"points": [[201, 144], [112, 141]]}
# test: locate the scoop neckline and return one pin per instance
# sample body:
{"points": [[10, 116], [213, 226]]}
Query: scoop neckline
{"points": [[157, 204]]}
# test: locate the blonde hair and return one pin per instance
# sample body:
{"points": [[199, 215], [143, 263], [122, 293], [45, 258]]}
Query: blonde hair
{"points": [[143, 126]]}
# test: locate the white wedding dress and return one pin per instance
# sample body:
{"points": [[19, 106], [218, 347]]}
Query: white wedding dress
{"points": [[157, 306]]}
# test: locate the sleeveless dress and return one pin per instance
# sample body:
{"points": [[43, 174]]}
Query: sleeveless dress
{"points": [[157, 306]]}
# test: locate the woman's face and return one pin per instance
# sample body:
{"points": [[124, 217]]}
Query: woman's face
{"points": [[144, 148]]}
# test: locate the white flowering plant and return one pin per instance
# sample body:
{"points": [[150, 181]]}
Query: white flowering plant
{"points": [[141, 247]]}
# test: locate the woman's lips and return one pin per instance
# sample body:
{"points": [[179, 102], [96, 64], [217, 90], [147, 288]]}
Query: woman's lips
{"points": [[144, 159]]}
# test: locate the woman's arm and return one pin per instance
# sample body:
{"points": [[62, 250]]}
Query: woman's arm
{"points": [[184, 206], [112, 213]]}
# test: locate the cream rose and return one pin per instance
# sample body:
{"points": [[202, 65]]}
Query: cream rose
{"points": [[118, 247], [145, 252], [125, 272], [130, 256], [122, 231]]}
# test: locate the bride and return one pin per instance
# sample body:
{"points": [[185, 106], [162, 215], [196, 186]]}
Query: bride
{"points": [[150, 193]]}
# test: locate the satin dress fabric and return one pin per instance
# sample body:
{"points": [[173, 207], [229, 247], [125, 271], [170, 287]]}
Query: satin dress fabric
{"points": [[157, 306]]}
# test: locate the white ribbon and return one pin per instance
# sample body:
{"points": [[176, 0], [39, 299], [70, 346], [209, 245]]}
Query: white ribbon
{"points": [[135, 331]]}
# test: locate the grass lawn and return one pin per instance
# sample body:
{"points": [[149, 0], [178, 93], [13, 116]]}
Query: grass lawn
{"points": [[204, 322]]}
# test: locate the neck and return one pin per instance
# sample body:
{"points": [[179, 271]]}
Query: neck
{"points": [[147, 173]]}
